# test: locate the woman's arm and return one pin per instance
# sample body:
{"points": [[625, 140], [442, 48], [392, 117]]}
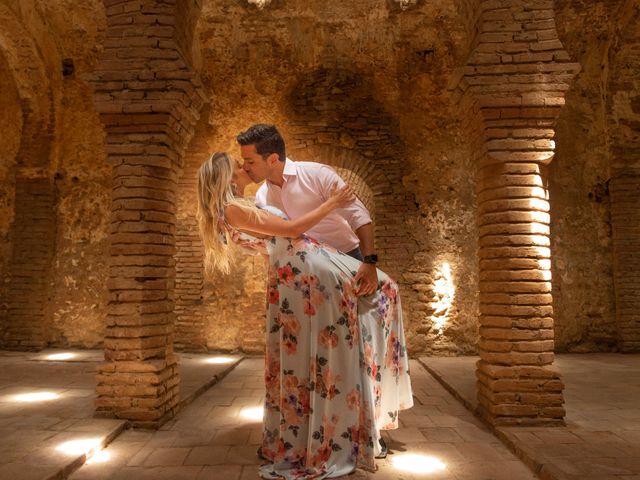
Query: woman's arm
{"points": [[270, 224]]}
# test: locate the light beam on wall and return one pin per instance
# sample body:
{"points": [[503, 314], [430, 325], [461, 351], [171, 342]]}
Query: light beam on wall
{"points": [[444, 290]]}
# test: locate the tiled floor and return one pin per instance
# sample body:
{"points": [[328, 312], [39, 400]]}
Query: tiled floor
{"points": [[213, 439], [47, 401], [601, 440]]}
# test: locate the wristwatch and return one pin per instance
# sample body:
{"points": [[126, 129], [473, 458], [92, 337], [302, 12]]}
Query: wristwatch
{"points": [[373, 259]]}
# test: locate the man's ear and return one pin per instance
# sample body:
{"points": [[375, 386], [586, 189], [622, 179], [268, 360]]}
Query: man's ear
{"points": [[272, 159]]}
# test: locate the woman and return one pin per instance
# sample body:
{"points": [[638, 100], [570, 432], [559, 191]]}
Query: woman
{"points": [[336, 369]]}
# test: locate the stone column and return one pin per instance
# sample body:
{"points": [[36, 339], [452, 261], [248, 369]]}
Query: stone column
{"points": [[624, 124], [625, 221], [148, 100], [34, 240], [516, 77]]}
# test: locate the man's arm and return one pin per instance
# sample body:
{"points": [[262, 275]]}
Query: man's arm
{"points": [[367, 276], [359, 219]]}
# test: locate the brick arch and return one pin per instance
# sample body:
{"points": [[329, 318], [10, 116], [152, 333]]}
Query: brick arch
{"points": [[368, 182], [34, 89]]}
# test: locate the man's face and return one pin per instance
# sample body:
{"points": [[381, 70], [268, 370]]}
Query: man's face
{"points": [[254, 165], [239, 178]]}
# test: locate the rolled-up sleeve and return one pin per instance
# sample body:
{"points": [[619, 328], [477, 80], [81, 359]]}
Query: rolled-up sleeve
{"points": [[356, 214]]}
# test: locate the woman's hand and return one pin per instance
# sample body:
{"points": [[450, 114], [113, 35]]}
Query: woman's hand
{"points": [[341, 197]]}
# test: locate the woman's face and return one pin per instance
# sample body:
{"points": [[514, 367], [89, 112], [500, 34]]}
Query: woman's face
{"points": [[240, 178]]}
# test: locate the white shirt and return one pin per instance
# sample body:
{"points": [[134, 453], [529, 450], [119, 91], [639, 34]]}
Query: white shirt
{"points": [[306, 185]]}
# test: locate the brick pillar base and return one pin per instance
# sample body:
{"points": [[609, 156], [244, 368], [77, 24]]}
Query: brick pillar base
{"points": [[145, 392]]}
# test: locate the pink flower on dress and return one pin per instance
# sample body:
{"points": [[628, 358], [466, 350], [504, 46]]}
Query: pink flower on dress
{"points": [[286, 275], [394, 353], [353, 399], [328, 338], [274, 295]]}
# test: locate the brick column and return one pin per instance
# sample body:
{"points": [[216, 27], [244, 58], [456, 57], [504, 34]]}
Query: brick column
{"points": [[516, 78], [148, 100], [34, 238], [625, 220], [624, 124], [190, 325]]}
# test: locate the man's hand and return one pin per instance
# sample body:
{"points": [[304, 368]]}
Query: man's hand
{"points": [[366, 279]]}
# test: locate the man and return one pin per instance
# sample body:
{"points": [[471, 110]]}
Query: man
{"points": [[297, 187]]}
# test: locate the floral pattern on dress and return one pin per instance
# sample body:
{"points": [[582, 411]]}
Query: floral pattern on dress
{"points": [[336, 366]]}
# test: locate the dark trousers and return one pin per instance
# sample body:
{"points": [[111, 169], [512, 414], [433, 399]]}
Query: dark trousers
{"points": [[356, 253]]}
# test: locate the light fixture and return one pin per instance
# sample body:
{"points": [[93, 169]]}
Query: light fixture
{"points": [[219, 360], [60, 356], [99, 457], [404, 4], [86, 446], [35, 397], [252, 413], [260, 3], [417, 463]]}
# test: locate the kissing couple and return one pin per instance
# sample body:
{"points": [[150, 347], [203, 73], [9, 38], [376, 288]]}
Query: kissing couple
{"points": [[336, 363]]}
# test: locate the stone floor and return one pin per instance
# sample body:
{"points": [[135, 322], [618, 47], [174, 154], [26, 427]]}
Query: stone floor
{"points": [[601, 440], [47, 407], [216, 437], [216, 434]]}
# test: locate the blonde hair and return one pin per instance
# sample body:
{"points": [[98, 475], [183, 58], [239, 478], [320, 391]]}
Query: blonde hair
{"points": [[214, 194]]}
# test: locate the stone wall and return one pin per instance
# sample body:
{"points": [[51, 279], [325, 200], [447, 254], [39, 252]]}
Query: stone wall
{"points": [[579, 188], [378, 90], [363, 86]]}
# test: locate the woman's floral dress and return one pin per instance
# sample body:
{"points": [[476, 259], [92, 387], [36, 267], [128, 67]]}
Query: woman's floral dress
{"points": [[336, 367]]}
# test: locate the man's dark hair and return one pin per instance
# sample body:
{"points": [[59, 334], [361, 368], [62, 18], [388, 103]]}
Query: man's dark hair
{"points": [[266, 138]]}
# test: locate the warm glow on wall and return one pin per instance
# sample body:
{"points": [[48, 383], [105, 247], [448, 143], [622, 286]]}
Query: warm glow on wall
{"points": [[417, 463], [35, 397], [252, 413], [444, 291]]}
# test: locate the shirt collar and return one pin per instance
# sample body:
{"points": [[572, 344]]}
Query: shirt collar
{"points": [[289, 168]]}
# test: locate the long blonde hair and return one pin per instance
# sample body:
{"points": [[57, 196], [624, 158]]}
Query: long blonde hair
{"points": [[214, 194]]}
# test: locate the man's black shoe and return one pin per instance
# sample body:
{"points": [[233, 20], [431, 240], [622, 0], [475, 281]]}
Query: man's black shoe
{"points": [[259, 452], [383, 449]]}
